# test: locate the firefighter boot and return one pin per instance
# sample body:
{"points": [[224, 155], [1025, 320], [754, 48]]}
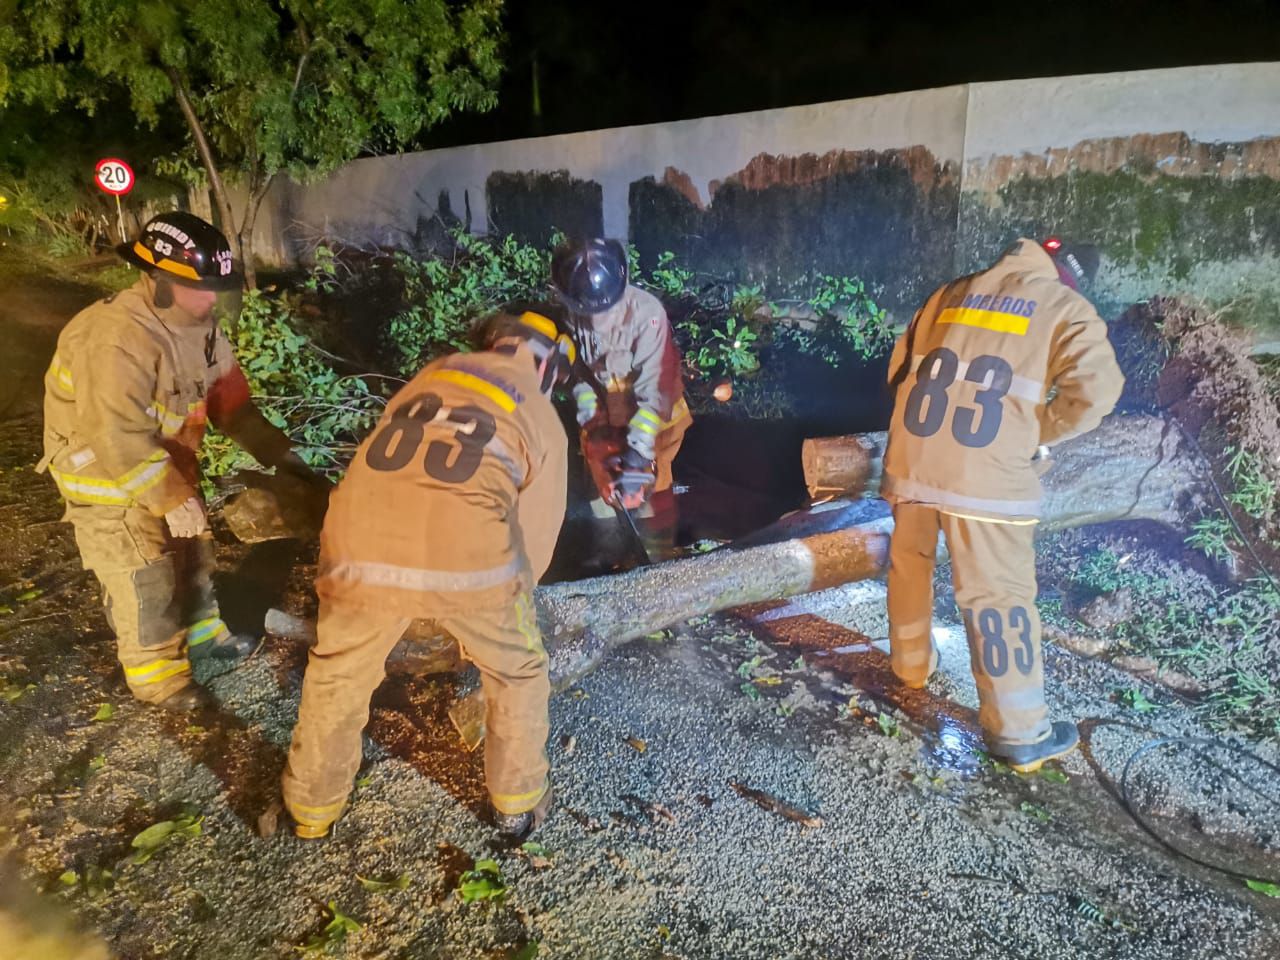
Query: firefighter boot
{"points": [[1061, 739], [189, 699], [517, 827], [221, 645]]}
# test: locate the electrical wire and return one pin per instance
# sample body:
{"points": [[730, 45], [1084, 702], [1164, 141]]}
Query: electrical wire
{"points": [[1152, 745]]}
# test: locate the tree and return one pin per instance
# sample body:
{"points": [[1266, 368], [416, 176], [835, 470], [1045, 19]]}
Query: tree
{"points": [[264, 86]]}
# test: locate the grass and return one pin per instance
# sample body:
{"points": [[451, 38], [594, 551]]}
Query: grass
{"points": [[1224, 637]]}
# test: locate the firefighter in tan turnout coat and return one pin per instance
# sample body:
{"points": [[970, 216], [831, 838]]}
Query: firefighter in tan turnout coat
{"points": [[449, 511], [629, 356], [134, 381], [994, 368]]}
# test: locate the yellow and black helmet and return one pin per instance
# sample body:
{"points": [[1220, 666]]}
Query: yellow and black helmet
{"points": [[546, 340], [185, 249]]}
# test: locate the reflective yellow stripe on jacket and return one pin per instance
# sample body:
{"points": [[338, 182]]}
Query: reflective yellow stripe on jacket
{"points": [[60, 376], [172, 421], [119, 492]]}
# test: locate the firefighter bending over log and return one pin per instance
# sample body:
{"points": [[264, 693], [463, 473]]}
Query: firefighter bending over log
{"points": [[449, 511], [132, 384], [994, 368], [628, 354]]}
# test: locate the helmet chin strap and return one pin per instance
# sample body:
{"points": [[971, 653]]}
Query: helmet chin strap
{"points": [[161, 292], [547, 372]]}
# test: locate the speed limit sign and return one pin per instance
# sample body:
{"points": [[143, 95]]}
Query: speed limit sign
{"points": [[113, 176]]}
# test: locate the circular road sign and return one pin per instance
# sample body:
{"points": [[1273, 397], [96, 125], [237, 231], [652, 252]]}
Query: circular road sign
{"points": [[113, 176]]}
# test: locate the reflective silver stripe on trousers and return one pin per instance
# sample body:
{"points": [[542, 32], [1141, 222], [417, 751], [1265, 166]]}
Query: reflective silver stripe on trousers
{"points": [[1023, 387], [416, 578], [1026, 698], [914, 490]]}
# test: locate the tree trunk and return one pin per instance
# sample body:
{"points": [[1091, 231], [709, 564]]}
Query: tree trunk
{"points": [[222, 201], [1129, 468]]}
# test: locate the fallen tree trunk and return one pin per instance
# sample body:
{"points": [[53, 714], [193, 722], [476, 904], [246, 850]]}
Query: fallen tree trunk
{"points": [[1132, 467]]}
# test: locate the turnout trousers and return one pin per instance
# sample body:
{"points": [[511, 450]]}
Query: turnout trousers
{"points": [[993, 569], [347, 664], [157, 590]]}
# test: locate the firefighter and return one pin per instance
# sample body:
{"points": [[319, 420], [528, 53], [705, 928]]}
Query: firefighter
{"points": [[995, 369], [625, 341], [449, 511], [133, 381]]}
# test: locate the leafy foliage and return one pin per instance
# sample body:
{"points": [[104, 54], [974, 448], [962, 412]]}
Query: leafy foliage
{"points": [[445, 295], [265, 87], [297, 387]]}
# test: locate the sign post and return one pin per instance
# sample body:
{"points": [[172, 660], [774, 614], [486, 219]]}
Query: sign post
{"points": [[115, 177]]}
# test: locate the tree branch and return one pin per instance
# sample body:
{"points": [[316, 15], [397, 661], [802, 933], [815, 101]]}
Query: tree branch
{"points": [[205, 150], [302, 60]]}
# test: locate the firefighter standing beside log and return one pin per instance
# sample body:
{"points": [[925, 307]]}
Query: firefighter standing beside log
{"points": [[450, 512], [994, 368], [132, 384], [624, 338]]}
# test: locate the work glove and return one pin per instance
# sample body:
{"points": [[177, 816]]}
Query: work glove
{"points": [[1042, 460], [293, 466], [633, 479], [584, 395], [187, 519]]}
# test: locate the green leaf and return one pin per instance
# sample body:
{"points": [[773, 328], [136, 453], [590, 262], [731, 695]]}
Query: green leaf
{"points": [[362, 782], [1136, 700], [534, 849], [528, 952], [750, 690], [1035, 810], [1052, 775], [374, 885], [336, 930], [69, 878], [157, 836], [888, 725], [29, 595], [5, 608], [105, 712], [98, 762], [1262, 886], [484, 882]]}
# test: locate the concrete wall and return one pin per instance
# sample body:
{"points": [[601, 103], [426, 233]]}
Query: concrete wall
{"points": [[1174, 172]]}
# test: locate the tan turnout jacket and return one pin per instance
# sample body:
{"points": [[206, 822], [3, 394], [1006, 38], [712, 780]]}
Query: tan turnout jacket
{"points": [[629, 348], [973, 375], [127, 398], [455, 500]]}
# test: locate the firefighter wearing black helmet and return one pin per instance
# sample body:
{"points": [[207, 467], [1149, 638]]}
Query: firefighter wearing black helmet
{"points": [[630, 403], [133, 382]]}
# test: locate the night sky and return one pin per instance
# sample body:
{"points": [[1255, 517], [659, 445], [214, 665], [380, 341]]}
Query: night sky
{"points": [[606, 63]]}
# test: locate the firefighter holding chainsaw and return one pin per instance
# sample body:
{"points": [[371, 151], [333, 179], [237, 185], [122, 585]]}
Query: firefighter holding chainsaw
{"points": [[449, 511], [994, 370], [630, 400], [134, 381]]}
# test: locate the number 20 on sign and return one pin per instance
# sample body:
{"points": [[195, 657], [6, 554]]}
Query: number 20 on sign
{"points": [[115, 177]]}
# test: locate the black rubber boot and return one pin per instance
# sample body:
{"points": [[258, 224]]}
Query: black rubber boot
{"points": [[190, 699], [1061, 739], [517, 827], [232, 646]]}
